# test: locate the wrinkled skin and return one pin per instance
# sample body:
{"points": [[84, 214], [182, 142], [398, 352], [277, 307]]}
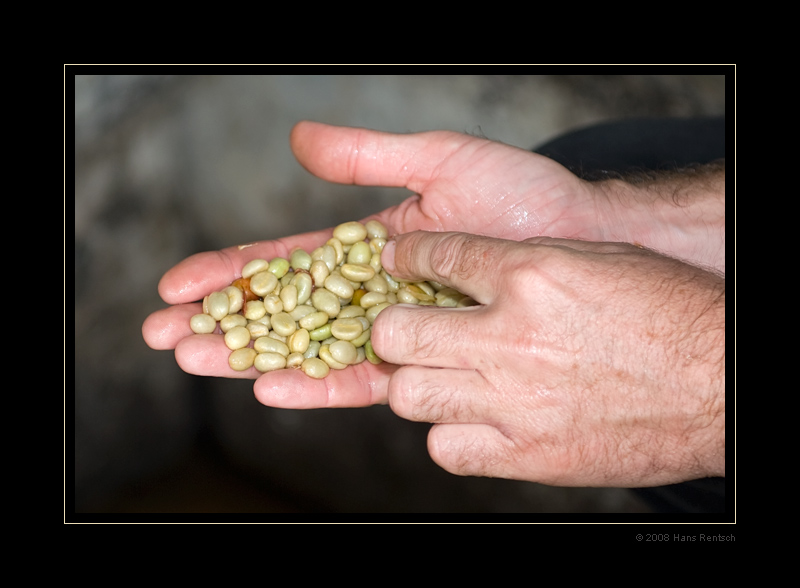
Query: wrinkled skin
{"points": [[589, 362]]}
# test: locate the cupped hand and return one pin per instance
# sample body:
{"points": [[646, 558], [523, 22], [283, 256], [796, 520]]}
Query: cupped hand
{"points": [[460, 183], [586, 363]]}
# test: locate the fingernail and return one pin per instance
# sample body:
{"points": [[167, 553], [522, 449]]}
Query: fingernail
{"points": [[387, 256]]}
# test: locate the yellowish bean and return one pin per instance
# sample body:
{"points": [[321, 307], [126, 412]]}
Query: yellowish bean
{"points": [[358, 272], [298, 341], [315, 368], [254, 266], [270, 345], [263, 283], [268, 362], [346, 329], [237, 338], [203, 323], [344, 352], [242, 359], [350, 232], [376, 230], [283, 324]]}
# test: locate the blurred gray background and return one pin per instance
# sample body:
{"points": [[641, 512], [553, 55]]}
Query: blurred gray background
{"points": [[169, 165]]}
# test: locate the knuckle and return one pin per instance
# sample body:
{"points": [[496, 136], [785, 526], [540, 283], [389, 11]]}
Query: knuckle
{"points": [[414, 395], [444, 256], [460, 256]]}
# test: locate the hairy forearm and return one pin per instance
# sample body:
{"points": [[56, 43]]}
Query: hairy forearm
{"points": [[680, 213]]}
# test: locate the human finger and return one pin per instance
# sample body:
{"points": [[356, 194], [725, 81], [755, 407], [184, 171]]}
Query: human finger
{"points": [[359, 385], [483, 450], [210, 271], [365, 157], [164, 328], [474, 265], [438, 395], [431, 336], [207, 355]]}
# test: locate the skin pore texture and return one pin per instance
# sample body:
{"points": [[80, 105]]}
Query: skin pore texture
{"points": [[596, 356]]}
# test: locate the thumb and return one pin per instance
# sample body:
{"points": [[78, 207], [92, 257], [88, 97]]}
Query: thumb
{"points": [[365, 157], [471, 264]]}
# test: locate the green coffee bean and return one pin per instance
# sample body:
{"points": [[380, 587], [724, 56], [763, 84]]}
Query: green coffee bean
{"points": [[301, 311], [326, 356], [320, 272], [359, 253], [393, 284], [237, 338], [315, 368], [299, 259], [242, 359], [232, 320], [362, 339], [344, 352], [235, 299], [288, 297], [298, 341], [358, 272], [277, 337], [251, 268], [370, 354], [268, 362], [376, 245], [295, 360], [350, 311], [321, 333], [326, 301], [327, 254], [255, 310], [375, 263], [377, 284], [203, 323], [338, 248], [263, 283], [346, 329], [314, 320], [283, 324], [286, 280], [313, 349], [218, 305], [257, 329], [418, 292], [350, 232], [273, 304], [337, 284], [304, 284], [405, 296], [270, 345], [376, 230], [279, 266], [370, 299], [373, 311]]}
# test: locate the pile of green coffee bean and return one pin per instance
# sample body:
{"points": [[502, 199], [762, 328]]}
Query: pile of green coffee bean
{"points": [[314, 312]]}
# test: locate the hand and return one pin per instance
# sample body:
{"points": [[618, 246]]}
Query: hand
{"points": [[595, 364], [461, 182]]}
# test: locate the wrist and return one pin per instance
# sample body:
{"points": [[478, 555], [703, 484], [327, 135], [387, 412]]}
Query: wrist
{"points": [[680, 213]]}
